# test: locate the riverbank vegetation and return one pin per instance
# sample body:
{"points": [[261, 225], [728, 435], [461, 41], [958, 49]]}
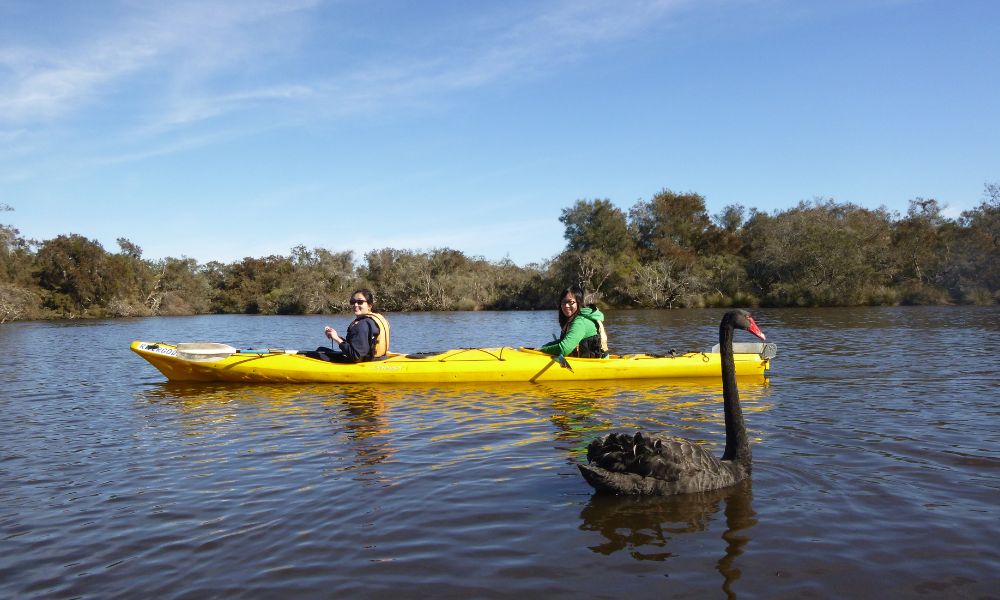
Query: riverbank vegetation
{"points": [[663, 252]]}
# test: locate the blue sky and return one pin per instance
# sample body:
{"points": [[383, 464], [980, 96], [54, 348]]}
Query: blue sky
{"points": [[218, 130]]}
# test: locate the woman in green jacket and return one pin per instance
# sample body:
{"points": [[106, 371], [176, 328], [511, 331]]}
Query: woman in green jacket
{"points": [[582, 328]]}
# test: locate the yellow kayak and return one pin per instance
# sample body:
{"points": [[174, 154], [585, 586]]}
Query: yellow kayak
{"points": [[221, 362]]}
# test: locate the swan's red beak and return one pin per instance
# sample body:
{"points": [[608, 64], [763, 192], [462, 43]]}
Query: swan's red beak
{"points": [[754, 329]]}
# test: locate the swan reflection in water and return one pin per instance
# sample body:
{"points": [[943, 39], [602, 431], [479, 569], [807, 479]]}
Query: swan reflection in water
{"points": [[646, 526]]}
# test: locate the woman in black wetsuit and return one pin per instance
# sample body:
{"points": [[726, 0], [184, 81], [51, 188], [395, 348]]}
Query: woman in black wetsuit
{"points": [[367, 335]]}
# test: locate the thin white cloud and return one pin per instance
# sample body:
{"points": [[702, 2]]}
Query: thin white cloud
{"points": [[167, 69], [196, 109], [489, 54], [526, 47], [50, 82], [213, 39], [47, 87]]}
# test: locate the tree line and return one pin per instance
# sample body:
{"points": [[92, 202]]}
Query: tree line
{"points": [[664, 252]]}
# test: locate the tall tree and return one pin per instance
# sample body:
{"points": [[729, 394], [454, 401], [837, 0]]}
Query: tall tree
{"points": [[596, 225], [71, 270], [672, 226], [16, 258], [823, 253], [976, 264], [921, 241]]}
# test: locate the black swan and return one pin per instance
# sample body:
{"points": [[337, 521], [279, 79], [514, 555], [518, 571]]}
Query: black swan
{"points": [[656, 465]]}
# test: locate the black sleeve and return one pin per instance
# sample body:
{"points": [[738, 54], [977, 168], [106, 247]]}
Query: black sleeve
{"points": [[357, 346]]}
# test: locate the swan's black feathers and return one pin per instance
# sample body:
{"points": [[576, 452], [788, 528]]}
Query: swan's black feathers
{"points": [[656, 464], [668, 459]]}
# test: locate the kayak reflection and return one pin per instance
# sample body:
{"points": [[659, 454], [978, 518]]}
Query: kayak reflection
{"points": [[583, 411], [280, 397], [373, 431], [357, 414]]}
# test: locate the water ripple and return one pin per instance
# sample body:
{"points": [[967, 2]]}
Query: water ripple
{"points": [[877, 465]]}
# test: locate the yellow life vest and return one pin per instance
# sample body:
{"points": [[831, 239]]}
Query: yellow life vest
{"points": [[380, 345], [603, 336]]}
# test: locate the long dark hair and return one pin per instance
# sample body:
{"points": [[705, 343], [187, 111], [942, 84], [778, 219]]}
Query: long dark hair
{"points": [[577, 295]]}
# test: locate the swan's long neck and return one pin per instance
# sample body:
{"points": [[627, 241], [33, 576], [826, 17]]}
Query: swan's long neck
{"points": [[737, 443]]}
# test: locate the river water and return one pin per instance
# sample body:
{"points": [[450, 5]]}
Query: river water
{"points": [[876, 445]]}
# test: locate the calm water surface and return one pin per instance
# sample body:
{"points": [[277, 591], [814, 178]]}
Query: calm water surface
{"points": [[876, 473]]}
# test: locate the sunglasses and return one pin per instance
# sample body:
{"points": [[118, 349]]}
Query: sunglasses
{"points": [[569, 303], [356, 301]]}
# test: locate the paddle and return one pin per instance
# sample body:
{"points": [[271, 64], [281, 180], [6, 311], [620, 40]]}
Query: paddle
{"points": [[205, 349], [563, 363], [214, 351]]}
